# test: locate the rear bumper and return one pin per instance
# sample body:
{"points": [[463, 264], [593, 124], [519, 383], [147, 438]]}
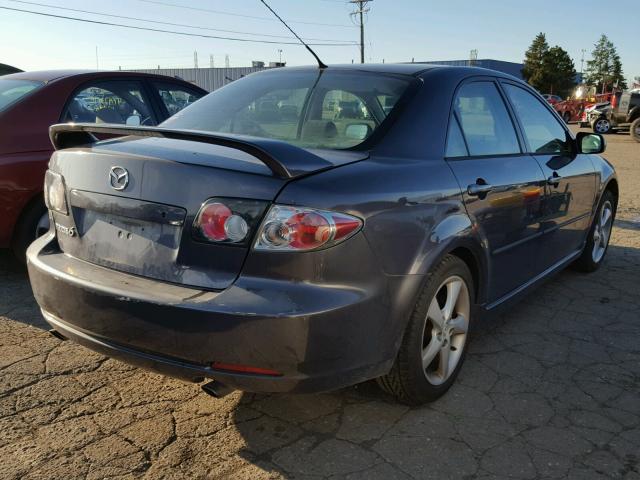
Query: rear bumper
{"points": [[320, 337]]}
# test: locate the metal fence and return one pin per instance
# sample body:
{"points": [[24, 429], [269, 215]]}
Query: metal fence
{"points": [[207, 78]]}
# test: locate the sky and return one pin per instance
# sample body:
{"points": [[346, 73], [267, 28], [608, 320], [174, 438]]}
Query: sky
{"points": [[395, 31]]}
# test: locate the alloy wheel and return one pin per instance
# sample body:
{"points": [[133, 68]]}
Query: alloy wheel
{"points": [[445, 331], [602, 232]]}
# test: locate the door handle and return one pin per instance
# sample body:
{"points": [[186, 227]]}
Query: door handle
{"points": [[554, 180], [478, 189]]}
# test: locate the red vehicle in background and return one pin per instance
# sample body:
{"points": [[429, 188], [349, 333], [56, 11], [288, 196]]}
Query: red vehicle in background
{"points": [[552, 99], [572, 109], [32, 101]]}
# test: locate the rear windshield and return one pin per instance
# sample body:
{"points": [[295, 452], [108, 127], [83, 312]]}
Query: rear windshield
{"points": [[12, 90], [311, 109]]}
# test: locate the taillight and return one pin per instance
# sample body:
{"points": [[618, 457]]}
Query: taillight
{"points": [[287, 228], [614, 101], [55, 193], [228, 220]]}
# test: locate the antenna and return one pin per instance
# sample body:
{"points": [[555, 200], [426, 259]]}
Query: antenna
{"points": [[320, 63]]}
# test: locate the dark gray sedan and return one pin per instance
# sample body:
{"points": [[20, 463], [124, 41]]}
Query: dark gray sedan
{"points": [[306, 229]]}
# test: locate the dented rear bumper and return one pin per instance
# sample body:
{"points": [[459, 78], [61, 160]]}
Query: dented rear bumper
{"points": [[319, 336]]}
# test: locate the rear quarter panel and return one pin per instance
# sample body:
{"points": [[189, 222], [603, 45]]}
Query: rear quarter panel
{"points": [[21, 180]]}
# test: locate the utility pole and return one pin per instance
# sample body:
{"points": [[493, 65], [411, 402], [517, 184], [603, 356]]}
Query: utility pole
{"points": [[359, 14], [582, 63]]}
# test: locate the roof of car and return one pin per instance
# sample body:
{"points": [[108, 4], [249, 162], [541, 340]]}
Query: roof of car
{"points": [[51, 75], [413, 69], [398, 68]]}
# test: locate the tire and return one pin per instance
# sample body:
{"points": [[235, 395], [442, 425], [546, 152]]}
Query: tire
{"points": [[31, 225], [597, 244], [601, 125], [409, 381], [566, 116], [634, 130]]}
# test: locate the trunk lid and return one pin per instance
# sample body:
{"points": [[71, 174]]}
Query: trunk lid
{"points": [[145, 228]]}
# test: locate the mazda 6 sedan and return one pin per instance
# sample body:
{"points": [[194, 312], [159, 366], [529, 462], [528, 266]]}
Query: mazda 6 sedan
{"points": [[306, 229]]}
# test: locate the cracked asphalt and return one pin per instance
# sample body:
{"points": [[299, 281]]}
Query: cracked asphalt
{"points": [[551, 389]]}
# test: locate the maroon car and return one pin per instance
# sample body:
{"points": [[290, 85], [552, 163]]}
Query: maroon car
{"points": [[32, 101]]}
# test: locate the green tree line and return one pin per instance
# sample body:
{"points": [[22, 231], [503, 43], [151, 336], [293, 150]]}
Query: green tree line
{"points": [[551, 69]]}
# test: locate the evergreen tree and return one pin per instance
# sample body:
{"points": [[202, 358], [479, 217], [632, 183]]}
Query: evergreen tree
{"points": [[548, 70], [559, 72], [534, 71], [617, 74], [605, 67]]}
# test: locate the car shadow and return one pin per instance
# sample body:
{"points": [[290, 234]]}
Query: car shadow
{"points": [[16, 297], [628, 224], [294, 435]]}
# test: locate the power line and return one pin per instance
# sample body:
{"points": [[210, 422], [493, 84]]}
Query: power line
{"points": [[97, 22], [221, 12], [163, 23]]}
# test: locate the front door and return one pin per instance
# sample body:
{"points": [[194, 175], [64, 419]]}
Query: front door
{"points": [[570, 177], [502, 187]]}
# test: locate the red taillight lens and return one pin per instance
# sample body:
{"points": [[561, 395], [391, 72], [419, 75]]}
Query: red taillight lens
{"points": [[301, 229], [228, 220], [213, 218], [308, 230]]}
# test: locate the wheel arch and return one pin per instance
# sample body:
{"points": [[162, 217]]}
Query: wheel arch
{"points": [[36, 199], [612, 186], [470, 251]]}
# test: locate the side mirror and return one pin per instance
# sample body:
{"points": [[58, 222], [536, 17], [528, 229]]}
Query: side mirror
{"points": [[133, 120], [357, 131], [590, 143]]}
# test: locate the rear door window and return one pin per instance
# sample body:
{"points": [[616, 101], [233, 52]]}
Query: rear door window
{"points": [[485, 121], [176, 97], [117, 101], [456, 147]]}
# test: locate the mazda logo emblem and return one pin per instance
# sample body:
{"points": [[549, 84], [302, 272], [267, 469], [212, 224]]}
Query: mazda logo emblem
{"points": [[118, 178]]}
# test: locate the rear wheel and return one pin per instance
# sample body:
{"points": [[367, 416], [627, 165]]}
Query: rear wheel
{"points": [[33, 224], [434, 343], [635, 130], [601, 126], [599, 235]]}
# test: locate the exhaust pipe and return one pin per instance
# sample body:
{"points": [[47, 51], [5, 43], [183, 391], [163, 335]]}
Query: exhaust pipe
{"points": [[217, 389], [57, 334]]}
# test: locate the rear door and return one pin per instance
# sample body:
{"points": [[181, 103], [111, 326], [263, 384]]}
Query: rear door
{"points": [[502, 186], [570, 178]]}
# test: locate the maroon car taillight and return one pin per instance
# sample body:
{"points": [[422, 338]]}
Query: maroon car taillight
{"points": [[228, 220], [288, 228]]}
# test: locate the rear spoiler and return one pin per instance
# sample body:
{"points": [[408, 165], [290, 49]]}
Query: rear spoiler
{"points": [[282, 158]]}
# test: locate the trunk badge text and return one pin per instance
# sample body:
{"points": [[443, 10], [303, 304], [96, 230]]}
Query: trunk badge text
{"points": [[118, 178], [70, 231]]}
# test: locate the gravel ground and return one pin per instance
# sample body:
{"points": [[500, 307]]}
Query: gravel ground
{"points": [[549, 390]]}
